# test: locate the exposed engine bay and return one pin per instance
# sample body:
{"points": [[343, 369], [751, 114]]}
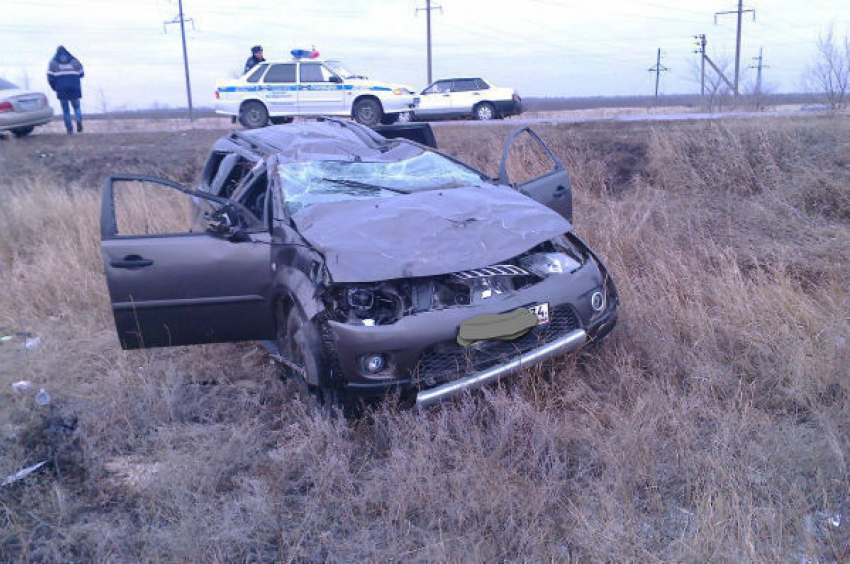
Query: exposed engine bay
{"points": [[384, 303]]}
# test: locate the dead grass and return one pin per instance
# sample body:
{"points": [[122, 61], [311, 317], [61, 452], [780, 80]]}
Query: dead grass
{"points": [[712, 426]]}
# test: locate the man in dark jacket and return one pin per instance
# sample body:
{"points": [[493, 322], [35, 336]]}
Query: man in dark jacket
{"points": [[64, 74], [256, 57]]}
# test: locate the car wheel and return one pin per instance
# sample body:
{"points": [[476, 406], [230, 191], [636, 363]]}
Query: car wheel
{"points": [[253, 114], [22, 131], [368, 112], [484, 111], [281, 120], [300, 343]]}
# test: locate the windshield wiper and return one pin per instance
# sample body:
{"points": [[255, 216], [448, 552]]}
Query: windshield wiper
{"points": [[356, 184]]}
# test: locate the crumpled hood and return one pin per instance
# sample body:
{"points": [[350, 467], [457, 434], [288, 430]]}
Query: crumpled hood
{"points": [[426, 234]]}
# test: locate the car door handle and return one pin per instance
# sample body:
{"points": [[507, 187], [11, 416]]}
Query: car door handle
{"points": [[476, 93], [560, 191], [131, 261]]}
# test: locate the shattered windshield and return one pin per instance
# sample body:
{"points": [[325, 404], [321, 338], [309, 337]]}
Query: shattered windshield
{"points": [[308, 183]]}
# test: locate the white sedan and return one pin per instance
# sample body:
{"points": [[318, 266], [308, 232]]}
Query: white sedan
{"points": [[21, 110], [453, 98]]}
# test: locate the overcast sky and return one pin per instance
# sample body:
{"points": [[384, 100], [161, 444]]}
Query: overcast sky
{"points": [[539, 47]]}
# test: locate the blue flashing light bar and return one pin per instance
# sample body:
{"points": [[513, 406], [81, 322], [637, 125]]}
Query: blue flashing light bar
{"points": [[304, 54]]}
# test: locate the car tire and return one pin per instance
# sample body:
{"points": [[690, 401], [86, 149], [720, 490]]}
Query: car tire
{"points": [[22, 131], [253, 115], [368, 112], [484, 111], [281, 120], [300, 343]]}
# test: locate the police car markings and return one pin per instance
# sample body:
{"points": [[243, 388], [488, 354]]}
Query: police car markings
{"points": [[313, 87]]}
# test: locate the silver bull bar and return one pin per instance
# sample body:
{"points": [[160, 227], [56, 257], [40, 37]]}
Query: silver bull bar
{"points": [[568, 343]]}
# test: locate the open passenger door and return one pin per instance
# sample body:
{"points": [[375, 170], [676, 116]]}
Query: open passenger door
{"points": [[552, 189], [173, 284]]}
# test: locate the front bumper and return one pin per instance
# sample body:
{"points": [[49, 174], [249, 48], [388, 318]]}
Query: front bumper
{"points": [[16, 120], [566, 344], [397, 103], [425, 356]]}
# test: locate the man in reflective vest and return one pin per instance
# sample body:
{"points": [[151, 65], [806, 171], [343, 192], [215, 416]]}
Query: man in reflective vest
{"points": [[64, 74]]}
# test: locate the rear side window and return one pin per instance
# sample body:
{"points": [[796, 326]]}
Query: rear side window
{"points": [[466, 85], [6, 85], [281, 73], [481, 84], [255, 76]]}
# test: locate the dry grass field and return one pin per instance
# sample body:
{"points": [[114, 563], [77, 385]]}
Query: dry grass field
{"points": [[712, 426]]}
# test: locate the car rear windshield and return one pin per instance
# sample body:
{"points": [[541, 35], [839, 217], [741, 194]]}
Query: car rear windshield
{"points": [[309, 183], [6, 85]]}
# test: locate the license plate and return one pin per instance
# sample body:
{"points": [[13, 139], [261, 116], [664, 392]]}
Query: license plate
{"points": [[28, 105], [542, 312]]}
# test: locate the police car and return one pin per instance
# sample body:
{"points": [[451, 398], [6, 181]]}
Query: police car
{"points": [[307, 86]]}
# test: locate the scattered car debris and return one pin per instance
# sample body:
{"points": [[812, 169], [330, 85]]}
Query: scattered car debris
{"points": [[22, 386], [32, 343], [21, 474], [5, 338], [42, 398]]}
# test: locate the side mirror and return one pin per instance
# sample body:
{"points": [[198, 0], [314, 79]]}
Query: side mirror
{"points": [[224, 222], [335, 78]]}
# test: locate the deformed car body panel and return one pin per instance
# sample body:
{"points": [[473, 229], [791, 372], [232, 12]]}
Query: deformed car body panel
{"points": [[185, 288], [426, 234]]}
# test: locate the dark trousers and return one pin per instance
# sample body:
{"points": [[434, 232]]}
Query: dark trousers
{"points": [[66, 112]]}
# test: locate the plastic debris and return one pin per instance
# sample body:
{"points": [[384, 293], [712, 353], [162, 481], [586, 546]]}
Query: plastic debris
{"points": [[5, 338], [42, 397], [21, 474], [834, 521], [22, 386], [32, 343]]}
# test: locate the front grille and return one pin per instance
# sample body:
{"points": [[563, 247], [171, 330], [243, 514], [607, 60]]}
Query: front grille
{"points": [[495, 270], [448, 360]]}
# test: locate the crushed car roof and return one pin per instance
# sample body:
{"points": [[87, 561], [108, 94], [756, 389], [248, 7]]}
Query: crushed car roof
{"points": [[326, 140]]}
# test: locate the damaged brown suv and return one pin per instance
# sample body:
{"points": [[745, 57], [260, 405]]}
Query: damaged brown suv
{"points": [[374, 264]]}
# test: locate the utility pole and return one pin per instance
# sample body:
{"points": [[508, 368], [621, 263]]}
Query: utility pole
{"points": [[701, 43], [740, 13], [759, 67], [181, 20], [427, 9], [658, 69]]}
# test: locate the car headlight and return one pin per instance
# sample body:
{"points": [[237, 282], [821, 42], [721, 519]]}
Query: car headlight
{"points": [[360, 299], [547, 264], [401, 91]]}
